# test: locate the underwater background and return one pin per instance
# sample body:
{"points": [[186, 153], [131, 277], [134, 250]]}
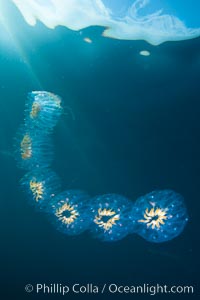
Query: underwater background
{"points": [[131, 125]]}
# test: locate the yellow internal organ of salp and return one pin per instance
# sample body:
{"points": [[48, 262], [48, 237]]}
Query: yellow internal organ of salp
{"points": [[106, 213], [73, 213], [154, 218], [26, 147], [35, 110], [37, 190]]}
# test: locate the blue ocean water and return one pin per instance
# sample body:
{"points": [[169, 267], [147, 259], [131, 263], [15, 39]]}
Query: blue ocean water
{"points": [[131, 125]]}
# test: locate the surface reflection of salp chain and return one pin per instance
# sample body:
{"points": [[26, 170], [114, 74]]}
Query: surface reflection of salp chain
{"points": [[159, 216], [153, 21]]}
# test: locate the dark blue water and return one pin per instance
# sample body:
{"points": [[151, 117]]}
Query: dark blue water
{"points": [[131, 126]]}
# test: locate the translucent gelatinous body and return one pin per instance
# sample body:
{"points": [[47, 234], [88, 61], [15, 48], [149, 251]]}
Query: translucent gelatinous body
{"points": [[70, 212], [43, 110], [41, 185], [159, 216], [111, 220], [33, 148]]}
